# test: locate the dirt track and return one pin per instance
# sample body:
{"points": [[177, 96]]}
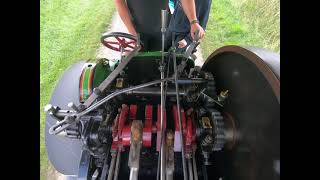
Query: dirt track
{"points": [[52, 174]]}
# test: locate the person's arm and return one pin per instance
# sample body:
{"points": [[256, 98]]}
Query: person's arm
{"points": [[190, 11], [125, 15]]}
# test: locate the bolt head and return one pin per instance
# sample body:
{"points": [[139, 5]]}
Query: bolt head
{"points": [[70, 104]]}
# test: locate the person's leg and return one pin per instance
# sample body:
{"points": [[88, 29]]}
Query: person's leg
{"points": [[203, 11], [179, 22], [177, 25]]}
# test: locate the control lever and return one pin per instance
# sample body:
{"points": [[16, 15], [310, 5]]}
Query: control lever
{"points": [[192, 45], [62, 125], [189, 52]]}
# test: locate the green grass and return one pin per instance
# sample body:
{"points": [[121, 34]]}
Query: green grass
{"points": [[70, 31], [243, 22]]}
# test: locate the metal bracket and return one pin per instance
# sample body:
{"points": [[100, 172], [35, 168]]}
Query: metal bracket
{"points": [[62, 125]]}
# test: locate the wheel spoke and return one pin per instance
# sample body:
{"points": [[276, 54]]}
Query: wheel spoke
{"points": [[111, 42], [130, 46], [119, 40], [131, 42]]}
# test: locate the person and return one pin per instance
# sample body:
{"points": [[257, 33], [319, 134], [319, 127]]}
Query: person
{"points": [[187, 18]]}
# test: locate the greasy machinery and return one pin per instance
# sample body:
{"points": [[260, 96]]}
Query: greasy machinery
{"points": [[155, 115]]}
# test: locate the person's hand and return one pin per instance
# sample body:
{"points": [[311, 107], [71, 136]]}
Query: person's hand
{"points": [[182, 43], [194, 28]]}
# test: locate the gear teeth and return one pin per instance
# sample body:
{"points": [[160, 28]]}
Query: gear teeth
{"points": [[211, 85], [219, 138], [217, 119]]}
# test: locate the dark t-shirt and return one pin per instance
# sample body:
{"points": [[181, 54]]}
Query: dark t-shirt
{"points": [[147, 14]]}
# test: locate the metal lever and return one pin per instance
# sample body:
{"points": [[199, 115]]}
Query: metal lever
{"points": [[188, 52], [62, 125], [193, 45], [197, 36]]}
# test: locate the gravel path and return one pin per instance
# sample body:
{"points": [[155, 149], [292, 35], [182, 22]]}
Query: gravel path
{"points": [[53, 174]]}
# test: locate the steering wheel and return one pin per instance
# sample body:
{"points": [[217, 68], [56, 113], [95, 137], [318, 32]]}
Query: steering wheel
{"points": [[118, 40]]}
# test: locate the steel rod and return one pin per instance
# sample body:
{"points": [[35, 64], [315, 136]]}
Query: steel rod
{"points": [[105, 165], [110, 96], [195, 172], [116, 171], [112, 164], [190, 169], [133, 174], [162, 142], [179, 115], [156, 92]]}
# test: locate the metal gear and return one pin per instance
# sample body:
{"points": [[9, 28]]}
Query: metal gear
{"points": [[211, 131], [216, 117], [219, 135], [211, 85]]}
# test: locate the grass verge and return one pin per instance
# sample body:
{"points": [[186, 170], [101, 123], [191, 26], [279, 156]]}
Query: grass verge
{"points": [[69, 31], [243, 22]]}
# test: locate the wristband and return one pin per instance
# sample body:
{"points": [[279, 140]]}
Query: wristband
{"points": [[194, 21]]}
